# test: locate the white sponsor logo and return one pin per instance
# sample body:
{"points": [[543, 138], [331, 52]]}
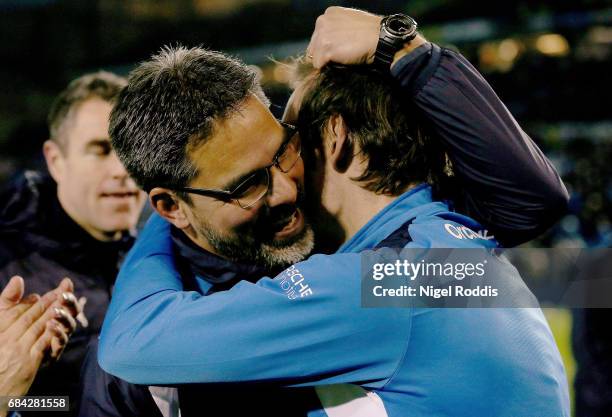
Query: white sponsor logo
{"points": [[463, 232], [293, 284]]}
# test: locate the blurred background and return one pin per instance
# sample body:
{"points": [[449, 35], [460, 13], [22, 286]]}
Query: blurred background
{"points": [[549, 61]]}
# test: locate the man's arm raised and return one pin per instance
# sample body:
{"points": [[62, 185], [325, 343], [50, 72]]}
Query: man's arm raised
{"points": [[507, 182]]}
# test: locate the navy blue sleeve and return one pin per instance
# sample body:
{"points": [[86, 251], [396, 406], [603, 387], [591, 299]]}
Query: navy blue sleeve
{"points": [[104, 395], [507, 183]]}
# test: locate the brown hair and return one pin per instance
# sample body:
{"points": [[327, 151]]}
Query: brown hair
{"points": [[382, 125], [101, 84]]}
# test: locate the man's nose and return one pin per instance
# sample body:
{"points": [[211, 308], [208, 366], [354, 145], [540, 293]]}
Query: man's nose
{"points": [[115, 167], [283, 188]]}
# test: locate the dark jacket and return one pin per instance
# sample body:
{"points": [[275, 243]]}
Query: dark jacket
{"points": [[40, 242]]}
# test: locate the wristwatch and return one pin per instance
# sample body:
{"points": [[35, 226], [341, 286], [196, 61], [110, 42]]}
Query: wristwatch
{"points": [[395, 31]]}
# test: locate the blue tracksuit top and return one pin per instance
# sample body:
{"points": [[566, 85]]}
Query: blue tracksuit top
{"points": [[372, 362]]}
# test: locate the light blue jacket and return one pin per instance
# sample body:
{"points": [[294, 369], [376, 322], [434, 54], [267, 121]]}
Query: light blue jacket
{"points": [[307, 327]]}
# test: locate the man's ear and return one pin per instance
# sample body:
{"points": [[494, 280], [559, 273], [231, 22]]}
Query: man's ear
{"points": [[166, 204], [339, 149], [55, 159]]}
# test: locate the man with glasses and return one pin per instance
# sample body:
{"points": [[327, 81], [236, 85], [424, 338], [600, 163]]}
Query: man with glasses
{"points": [[305, 326], [252, 188], [210, 256]]}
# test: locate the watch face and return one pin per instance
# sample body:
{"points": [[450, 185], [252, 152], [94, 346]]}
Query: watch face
{"points": [[400, 25]]}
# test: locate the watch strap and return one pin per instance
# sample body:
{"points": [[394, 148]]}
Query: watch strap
{"points": [[389, 43], [385, 52]]}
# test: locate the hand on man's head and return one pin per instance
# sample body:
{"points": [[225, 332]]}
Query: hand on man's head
{"points": [[344, 36], [350, 37]]}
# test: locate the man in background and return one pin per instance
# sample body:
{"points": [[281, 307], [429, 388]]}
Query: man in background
{"points": [[75, 223]]}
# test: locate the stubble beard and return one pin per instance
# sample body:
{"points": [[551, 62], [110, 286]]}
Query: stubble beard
{"points": [[245, 247]]}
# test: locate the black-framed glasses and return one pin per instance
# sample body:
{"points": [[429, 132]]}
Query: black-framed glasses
{"points": [[256, 186]]}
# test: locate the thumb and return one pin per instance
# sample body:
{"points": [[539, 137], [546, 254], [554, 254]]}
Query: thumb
{"points": [[13, 292]]}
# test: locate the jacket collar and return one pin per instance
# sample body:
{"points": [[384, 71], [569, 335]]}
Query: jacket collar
{"points": [[32, 218], [412, 203], [210, 267]]}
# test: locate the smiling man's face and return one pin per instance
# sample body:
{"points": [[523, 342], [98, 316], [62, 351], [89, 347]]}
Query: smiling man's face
{"points": [[273, 231], [93, 186]]}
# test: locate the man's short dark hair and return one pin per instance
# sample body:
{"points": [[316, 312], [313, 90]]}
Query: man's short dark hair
{"points": [[101, 84], [169, 108], [381, 124]]}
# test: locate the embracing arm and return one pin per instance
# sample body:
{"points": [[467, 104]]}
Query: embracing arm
{"points": [[507, 183], [298, 328]]}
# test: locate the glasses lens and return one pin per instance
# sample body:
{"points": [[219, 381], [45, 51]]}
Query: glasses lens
{"points": [[253, 189], [287, 159]]}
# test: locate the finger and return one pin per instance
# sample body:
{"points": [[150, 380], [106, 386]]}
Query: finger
{"points": [[41, 345], [82, 318], [320, 50], [66, 319], [56, 350], [11, 315], [69, 302], [49, 297], [12, 293], [66, 285], [315, 51], [59, 341], [319, 59], [338, 9], [30, 299], [37, 321], [20, 326], [310, 47]]}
